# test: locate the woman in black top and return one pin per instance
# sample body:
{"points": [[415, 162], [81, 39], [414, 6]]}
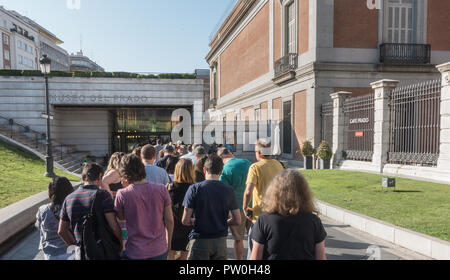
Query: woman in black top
{"points": [[183, 179], [112, 182], [291, 229]]}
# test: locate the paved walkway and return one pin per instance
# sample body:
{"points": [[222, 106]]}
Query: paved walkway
{"points": [[343, 243]]}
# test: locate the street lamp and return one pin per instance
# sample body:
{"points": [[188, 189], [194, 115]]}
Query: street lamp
{"points": [[45, 69]]}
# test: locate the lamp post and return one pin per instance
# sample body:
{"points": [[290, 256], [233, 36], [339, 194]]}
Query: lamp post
{"points": [[45, 69]]}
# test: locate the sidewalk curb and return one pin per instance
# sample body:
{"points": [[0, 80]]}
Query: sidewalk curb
{"points": [[20, 215], [424, 244]]}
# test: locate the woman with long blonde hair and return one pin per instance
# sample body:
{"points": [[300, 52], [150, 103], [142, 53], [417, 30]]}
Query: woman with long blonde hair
{"points": [[112, 181], [290, 229], [183, 179]]}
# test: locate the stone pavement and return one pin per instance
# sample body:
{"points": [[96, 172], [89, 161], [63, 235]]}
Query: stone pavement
{"points": [[343, 243]]}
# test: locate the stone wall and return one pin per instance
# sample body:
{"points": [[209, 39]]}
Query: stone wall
{"points": [[80, 105]]}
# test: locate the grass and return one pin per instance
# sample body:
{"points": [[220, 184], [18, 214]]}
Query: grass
{"points": [[419, 206], [21, 175]]}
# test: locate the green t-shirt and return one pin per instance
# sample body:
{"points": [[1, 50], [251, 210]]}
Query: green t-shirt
{"points": [[235, 174]]}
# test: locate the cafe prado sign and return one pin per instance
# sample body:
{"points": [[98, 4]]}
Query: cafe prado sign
{"points": [[359, 120]]}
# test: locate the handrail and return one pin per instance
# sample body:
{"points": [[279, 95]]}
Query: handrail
{"points": [[27, 129]]}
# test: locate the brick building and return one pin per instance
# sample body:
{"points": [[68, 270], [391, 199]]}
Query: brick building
{"points": [[291, 55]]}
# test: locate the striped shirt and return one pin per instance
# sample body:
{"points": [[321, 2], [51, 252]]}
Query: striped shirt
{"points": [[78, 204]]}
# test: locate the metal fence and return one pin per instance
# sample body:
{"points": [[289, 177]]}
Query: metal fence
{"points": [[359, 117], [415, 124], [327, 122]]}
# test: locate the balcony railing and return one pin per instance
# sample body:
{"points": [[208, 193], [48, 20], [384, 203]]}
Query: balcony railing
{"points": [[24, 34], [405, 53], [286, 64]]}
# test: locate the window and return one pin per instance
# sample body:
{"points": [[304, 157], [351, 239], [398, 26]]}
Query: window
{"points": [[20, 59], [287, 127], [400, 17], [6, 54], [31, 49], [215, 85], [6, 40], [19, 44], [5, 24], [25, 47], [291, 29]]}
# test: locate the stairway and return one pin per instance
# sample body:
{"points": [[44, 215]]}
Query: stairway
{"points": [[65, 155]]}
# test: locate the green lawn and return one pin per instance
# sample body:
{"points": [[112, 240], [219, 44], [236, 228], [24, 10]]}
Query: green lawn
{"points": [[21, 175], [420, 206]]}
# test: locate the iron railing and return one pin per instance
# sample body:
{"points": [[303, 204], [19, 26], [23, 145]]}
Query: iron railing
{"points": [[415, 124], [31, 138], [327, 122], [405, 53], [359, 122], [286, 64]]}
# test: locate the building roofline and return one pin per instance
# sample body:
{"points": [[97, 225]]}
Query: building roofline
{"points": [[31, 24], [230, 24]]}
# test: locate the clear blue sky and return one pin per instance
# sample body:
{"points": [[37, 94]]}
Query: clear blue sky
{"points": [[132, 35]]}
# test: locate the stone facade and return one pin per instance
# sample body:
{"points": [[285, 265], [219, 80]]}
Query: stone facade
{"points": [[81, 105], [337, 48]]}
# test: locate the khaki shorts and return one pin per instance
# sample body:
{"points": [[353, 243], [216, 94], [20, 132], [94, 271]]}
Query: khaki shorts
{"points": [[238, 232], [208, 249]]}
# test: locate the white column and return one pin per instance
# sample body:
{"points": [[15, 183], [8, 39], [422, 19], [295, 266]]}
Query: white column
{"points": [[382, 122], [444, 155], [338, 125]]}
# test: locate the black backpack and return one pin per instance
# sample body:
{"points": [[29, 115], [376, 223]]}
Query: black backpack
{"points": [[97, 240]]}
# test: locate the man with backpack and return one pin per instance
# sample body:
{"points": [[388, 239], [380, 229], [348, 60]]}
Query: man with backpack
{"points": [[88, 214]]}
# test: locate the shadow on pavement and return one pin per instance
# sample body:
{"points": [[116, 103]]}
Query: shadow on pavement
{"points": [[341, 244]]}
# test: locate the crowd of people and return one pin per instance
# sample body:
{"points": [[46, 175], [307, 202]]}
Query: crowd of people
{"points": [[180, 202]]}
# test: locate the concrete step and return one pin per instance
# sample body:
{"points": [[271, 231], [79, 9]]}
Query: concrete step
{"points": [[72, 163], [75, 169]]}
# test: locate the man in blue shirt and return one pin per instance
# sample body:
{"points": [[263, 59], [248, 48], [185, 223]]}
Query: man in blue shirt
{"points": [[235, 173], [210, 202]]}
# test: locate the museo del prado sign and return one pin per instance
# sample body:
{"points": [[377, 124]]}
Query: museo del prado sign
{"points": [[99, 99]]}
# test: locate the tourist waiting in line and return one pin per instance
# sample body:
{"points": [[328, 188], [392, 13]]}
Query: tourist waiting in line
{"points": [[47, 221], [147, 208], [234, 174], [169, 150], [211, 203], [183, 179], [158, 148], [154, 173], [291, 229], [79, 204], [111, 181], [170, 166], [190, 155], [259, 177], [137, 151], [182, 150], [199, 169], [160, 155], [199, 153]]}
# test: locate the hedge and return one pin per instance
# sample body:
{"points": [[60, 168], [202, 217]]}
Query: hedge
{"points": [[125, 75]]}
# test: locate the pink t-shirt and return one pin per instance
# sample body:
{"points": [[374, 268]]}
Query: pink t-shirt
{"points": [[143, 207]]}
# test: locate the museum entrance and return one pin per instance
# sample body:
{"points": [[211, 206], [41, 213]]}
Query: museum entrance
{"points": [[134, 127]]}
